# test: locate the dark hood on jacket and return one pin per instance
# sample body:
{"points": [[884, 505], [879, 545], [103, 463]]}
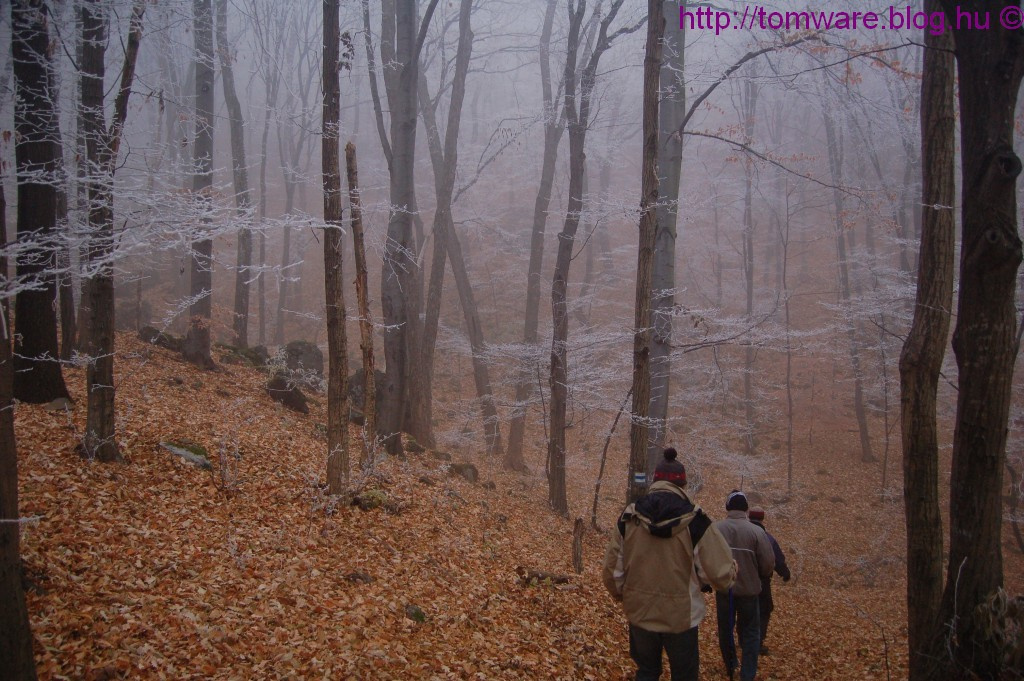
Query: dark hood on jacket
{"points": [[659, 511]]}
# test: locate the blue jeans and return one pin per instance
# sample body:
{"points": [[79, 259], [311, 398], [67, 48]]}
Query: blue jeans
{"points": [[741, 612], [682, 648]]}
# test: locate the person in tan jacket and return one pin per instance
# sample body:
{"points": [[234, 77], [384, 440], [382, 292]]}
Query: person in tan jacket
{"points": [[663, 550]]}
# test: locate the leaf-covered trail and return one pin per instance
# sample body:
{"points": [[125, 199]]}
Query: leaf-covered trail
{"points": [[155, 569]]}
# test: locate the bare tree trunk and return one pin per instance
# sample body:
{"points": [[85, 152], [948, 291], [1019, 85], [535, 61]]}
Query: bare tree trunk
{"points": [[638, 429], [748, 109], [16, 656], [272, 80], [444, 157], [243, 198], [197, 341], [337, 343], [989, 65], [102, 150], [578, 115], [363, 298], [37, 371], [663, 277], [835, 155], [400, 46], [554, 126]]}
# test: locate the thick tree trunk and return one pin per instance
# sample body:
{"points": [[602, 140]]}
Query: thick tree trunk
{"points": [[989, 65], [363, 299], [401, 294], [337, 343], [16, 656], [37, 371], [638, 428], [240, 175], [554, 127], [663, 277], [201, 274], [101, 152], [923, 351]]}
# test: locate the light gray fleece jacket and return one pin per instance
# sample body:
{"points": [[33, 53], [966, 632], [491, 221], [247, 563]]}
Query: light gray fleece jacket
{"points": [[750, 549]]}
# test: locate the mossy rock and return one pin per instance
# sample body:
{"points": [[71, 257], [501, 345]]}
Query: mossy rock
{"points": [[370, 499], [192, 452]]}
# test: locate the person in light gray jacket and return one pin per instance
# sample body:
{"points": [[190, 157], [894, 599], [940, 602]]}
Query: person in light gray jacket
{"points": [[738, 607]]}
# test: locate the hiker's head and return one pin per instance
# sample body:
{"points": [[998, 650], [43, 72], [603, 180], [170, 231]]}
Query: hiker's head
{"points": [[756, 513], [671, 470], [736, 501]]}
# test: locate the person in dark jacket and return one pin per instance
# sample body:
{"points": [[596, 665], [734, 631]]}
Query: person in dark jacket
{"points": [[738, 608], [765, 603], [663, 548]]}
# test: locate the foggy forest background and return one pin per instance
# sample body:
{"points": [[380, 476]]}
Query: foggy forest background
{"points": [[782, 307]]}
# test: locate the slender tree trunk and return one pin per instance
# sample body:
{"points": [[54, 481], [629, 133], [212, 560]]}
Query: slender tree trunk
{"points": [[363, 298], [578, 116], [197, 341], [337, 343], [749, 111], [638, 429], [990, 64], [554, 127], [243, 198], [835, 155], [16, 656], [445, 161], [663, 278], [37, 371]]}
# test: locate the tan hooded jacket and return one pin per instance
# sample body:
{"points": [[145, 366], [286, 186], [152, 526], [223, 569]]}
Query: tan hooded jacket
{"points": [[662, 551]]}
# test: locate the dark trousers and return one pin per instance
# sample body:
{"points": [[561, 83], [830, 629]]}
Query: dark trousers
{"points": [[741, 612], [683, 653], [765, 604]]}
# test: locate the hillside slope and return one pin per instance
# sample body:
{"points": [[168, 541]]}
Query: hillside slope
{"points": [[156, 569]]}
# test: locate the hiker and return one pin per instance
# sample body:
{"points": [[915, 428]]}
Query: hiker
{"points": [[737, 608], [662, 551], [765, 603]]}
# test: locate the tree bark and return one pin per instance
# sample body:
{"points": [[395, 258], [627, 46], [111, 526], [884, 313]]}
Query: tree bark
{"points": [[554, 127], [444, 157], [16, 656], [749, 111], [337, 343], [363, 299], [400, 291], [638, 427], [578, 116], [37, 371], [990, 64], [923, 351], [835, 156], [663, 278], [240, 175], [102, 148], [201, 273]]}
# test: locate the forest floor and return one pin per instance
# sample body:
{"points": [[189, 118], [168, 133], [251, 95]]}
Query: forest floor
{"points": [[156, 569]]}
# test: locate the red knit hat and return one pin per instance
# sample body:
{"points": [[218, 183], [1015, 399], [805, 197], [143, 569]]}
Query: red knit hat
{"points": [[671, 470], [756, 513]]}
